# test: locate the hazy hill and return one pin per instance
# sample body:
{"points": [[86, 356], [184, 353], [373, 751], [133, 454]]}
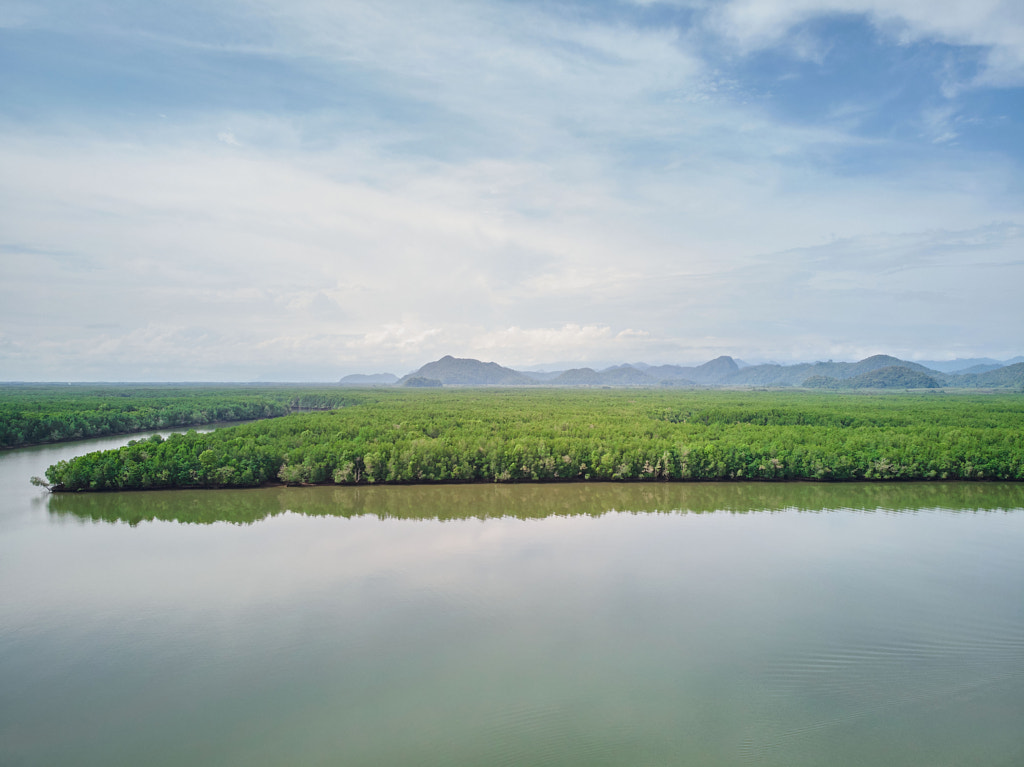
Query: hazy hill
{"points": [[361, 379], [577, 377], [1007, 377], [882, 361], [452, 371], [419, 382], [666, 372], [717, 371], [961, 366], [890, 377], [798, 375], [626, 375], [542, 376], [623, 375], [772, 374], [878, 371], [974, 369]]}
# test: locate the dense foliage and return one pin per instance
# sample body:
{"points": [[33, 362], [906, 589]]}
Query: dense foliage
{"points": [[512, 435], [38, 414]]}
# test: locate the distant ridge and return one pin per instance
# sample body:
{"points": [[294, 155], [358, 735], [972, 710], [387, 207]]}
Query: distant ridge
{"points": [[362, 379], [452, 371], [623, 375], [961, 366], [980, 368], [890, 377], [797, 375], [878, 371], [1007, 377]]}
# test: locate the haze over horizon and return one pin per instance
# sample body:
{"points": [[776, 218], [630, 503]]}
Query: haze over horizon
{"points": [[257, 190]]}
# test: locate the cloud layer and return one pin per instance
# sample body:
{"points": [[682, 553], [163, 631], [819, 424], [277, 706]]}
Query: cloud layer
{"points": [[298, 191]]}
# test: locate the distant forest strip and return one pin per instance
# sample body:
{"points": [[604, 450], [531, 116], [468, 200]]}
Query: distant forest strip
{"points": [[41, 414], [507, 435]]}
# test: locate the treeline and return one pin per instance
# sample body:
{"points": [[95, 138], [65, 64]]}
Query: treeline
{"points": [[33, 415], [508, 435]]}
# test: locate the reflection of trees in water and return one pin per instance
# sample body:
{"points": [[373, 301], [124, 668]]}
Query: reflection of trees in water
{"points": [[531, 501], [190, 506]]}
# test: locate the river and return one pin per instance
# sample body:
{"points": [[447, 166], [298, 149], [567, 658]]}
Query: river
{"points": [[584, 624]]}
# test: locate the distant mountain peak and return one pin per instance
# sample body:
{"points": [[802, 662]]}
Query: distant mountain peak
{"points": [[876, 371], [454, 371], [359, 379]]}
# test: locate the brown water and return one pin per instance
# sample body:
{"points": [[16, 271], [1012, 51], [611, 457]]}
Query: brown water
{"points": [[585, 624]]}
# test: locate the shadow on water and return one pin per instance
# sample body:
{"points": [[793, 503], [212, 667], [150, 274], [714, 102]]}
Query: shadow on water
{"points": [[451, 502]]}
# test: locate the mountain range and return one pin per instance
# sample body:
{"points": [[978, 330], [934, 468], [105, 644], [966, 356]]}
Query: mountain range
{"points": [[878, 372]]}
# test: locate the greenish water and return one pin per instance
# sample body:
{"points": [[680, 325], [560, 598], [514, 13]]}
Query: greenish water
{"points": [[730, 624]]}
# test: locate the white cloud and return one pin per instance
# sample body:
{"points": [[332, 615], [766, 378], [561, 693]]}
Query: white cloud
{"points": [[396, 338], [290, 263], [513, 184], [995, 25]]}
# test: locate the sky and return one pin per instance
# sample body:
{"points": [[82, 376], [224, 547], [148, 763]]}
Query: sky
{"points": [[258, 190]]}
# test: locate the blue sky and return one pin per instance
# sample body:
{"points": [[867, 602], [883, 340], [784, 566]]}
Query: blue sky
{"points": [[254, 189]]}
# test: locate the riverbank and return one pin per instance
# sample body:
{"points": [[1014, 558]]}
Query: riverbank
{"points": [[491, 436]]}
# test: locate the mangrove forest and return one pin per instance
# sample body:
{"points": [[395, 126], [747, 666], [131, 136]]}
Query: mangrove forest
{"points": [[557, 435], [36, 414]]}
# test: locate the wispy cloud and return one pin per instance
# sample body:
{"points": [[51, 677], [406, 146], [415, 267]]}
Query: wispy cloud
{"points": [[313, 187], [996, 26]]}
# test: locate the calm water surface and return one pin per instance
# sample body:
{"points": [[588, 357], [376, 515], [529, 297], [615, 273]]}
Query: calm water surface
{"points": [[511, 625]]}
